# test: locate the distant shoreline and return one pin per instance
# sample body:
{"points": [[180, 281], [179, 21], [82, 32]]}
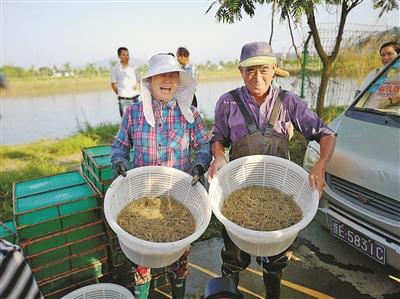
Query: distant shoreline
{"points": [[25, 88], [37, 87]]}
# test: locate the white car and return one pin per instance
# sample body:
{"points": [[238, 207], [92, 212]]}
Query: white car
{"points": [[361, 203]]}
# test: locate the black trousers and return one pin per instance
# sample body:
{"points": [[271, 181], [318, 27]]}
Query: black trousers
{"points": [[194, 102], [235, 260], [123, 103]]}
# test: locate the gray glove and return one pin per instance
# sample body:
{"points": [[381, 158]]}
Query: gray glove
{"points": [[121, 167], [198, 174]]}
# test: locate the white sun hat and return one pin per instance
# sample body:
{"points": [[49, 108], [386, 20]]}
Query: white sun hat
{"points": [[161, 64]]}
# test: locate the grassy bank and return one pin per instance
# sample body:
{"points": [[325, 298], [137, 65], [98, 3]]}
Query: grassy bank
{"points": [[51, 86], [49, 157], [44, 158]]}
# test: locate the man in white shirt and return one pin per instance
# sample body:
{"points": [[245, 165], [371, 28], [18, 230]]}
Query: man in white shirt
{"points": [[182, 54], [124, 81]]}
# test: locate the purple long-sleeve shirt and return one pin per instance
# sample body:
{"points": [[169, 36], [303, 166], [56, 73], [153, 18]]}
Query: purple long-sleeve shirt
{"points": [[230, 126]]}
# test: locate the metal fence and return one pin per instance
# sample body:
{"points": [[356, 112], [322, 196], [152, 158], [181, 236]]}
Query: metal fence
{"points": [[358, 55]]}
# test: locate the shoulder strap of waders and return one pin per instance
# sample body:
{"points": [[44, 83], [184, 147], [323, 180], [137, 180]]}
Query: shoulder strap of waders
{"points": [[277, 108], [251, 124]]}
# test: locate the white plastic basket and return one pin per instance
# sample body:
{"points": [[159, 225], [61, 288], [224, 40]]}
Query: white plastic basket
{"points": [[267, 171], [156, 181], [100, 291]]}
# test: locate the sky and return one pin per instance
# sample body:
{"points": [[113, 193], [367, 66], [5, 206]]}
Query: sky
{"points": [[47, 33]]}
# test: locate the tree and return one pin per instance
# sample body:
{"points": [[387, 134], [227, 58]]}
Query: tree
{"points": [[67, 67], [45, 71], [113, 63], [230, 11]]}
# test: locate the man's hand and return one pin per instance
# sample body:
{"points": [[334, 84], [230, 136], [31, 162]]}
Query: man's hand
{"points": [[198, 174], [215, 165], [121, 167], [317, 177]]}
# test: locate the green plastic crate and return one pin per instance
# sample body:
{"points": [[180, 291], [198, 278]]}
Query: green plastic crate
{"points": [[95, 151], [124, 279], [50, 204], [61, 223], [159, 281], [51, 270], [74, 278], [8, 231], [98, 160], [118, 258], [48, 183], [39, 207], [71, 262], [64, 243], [100, 186], [66, 250]]}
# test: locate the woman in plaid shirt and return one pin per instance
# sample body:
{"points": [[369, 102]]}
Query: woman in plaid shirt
{"points": [[163, 129]]}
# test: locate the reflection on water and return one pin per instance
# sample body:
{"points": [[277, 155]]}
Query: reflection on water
{"points": [[57, 116]]}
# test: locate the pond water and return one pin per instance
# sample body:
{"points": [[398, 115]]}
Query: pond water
{"points": [[25, 120]]}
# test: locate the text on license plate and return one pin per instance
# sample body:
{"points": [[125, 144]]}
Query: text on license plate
{"points": [[357, 240]]}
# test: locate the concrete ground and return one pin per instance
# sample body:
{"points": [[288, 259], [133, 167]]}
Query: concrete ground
{"points": [[321, 267]]}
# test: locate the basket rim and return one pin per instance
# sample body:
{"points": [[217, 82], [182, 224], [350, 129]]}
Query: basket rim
{"points": [[99, 287], [157, 245], [256, 233]]}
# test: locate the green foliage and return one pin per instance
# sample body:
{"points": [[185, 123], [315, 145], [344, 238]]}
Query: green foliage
{"points": [[358, 58], [208, 122], [13, 71], [17, 72], [36, 167], [297, 148], [385, 5], [45, 72], [71, 145], [45, 158], [103, 134]]}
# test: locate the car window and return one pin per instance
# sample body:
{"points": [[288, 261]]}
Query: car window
{"points": [[384, 94]]}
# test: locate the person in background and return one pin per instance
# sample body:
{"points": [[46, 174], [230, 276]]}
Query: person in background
{"points": [[163, 129], [255, 119], [3, 83], [182, 55], [387, 52], [124, 81]]}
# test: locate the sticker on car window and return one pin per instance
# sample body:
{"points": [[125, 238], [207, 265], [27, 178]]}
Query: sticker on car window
{"points": [[389, 89]]}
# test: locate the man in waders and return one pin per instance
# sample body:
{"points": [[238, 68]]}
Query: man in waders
{"points": [[124, 81], [258, 118]]}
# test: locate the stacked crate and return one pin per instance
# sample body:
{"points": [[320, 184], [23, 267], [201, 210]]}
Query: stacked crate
{"points": [[96, 166], [60, 232], [122, 267], [8, 231]]}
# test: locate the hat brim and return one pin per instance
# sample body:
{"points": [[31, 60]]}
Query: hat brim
{"points": [[258, 60], [261, 60], [162, 70], [281, 73]]}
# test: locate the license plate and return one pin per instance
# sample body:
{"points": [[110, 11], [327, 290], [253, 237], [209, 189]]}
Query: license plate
{"points": [[359, 241]]}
